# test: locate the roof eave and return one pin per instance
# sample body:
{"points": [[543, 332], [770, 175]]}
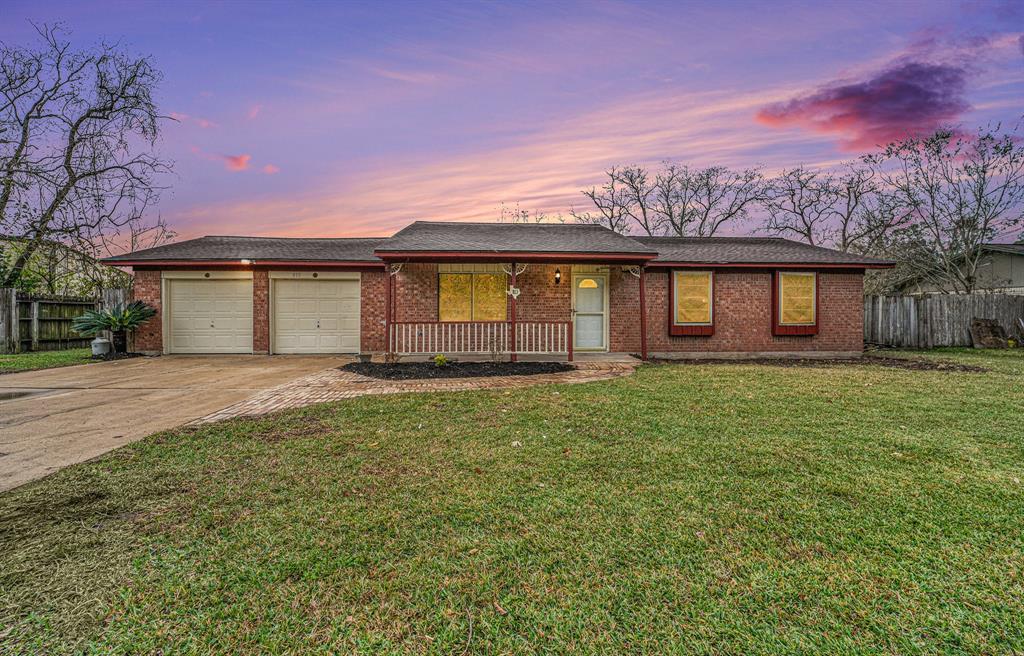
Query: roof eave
{"points": [[516, 256], [771, 265], [219, 263]]}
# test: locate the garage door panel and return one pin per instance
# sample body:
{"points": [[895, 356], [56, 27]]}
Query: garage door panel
{"points": [[210, 316], [316, 316]]}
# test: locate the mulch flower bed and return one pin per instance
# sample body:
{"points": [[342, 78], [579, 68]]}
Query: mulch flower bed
{"points": [[428, 370]]}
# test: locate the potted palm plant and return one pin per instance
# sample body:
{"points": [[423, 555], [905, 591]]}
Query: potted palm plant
{"points": [[118, 321]]}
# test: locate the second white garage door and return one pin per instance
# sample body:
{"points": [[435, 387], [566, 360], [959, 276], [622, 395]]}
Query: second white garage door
{"points": [[316, 315]]}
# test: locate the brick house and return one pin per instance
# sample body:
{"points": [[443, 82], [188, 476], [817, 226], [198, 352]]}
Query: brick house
{"points": [[548, 290]]}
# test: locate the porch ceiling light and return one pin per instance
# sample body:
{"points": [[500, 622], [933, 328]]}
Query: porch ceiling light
{"points": [[558, 276]]}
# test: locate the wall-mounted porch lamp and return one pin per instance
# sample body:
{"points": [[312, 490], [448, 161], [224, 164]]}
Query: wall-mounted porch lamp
{"points": [[558, 276]]}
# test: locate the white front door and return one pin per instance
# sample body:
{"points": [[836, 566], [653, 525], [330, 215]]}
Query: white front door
{"points": [[209, 316], [316, 316], [590, 312]]}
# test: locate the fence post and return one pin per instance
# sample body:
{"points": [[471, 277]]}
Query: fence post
{"points": [[35, 325], [8, 320]]}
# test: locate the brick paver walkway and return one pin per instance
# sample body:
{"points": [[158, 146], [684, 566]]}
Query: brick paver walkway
{"points": [[336, 384]]}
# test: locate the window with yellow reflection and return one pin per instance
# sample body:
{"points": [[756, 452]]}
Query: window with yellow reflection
{"points": [[471, 297], [797, 298], [693, 294]]}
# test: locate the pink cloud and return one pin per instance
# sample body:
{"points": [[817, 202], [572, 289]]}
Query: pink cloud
{"points": [[270, 169], [905, 99], [236, 162], [254, 111]]}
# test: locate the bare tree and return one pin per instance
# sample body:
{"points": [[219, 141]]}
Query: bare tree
{"points": [[700, 201], [76, 130], [866, 213], [611, 200], [676, 200], [959, 192], [518, 215], [801, 203], [640, 196]]}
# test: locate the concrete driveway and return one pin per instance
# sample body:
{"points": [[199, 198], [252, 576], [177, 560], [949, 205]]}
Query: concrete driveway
{"points": [[56, 417]]}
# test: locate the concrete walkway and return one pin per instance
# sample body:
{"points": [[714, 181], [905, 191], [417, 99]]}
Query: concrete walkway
{"points": [[335, 385], [56, 417]]}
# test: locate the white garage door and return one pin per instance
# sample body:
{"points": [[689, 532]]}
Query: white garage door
{"points": [[210, 316], [316, 316]]}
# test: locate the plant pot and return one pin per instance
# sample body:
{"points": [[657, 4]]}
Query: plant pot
{"points": [[120, 341], [100, 346]]}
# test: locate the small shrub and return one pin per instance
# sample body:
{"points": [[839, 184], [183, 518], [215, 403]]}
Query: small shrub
{"points": [[441, 361], [118, 321]]}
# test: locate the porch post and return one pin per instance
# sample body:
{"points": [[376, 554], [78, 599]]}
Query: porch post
{"points": [[643, 316], [388, 296], [512, 310]]}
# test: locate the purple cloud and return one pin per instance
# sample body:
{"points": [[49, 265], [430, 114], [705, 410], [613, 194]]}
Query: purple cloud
{"points": [[907, 98]]}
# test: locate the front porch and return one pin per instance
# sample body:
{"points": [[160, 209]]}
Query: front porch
{"points": [[549, 311]]}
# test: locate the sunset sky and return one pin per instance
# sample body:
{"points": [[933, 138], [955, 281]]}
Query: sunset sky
{"points": [[352, 119]]}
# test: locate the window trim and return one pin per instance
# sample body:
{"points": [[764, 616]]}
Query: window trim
{"points": [[779, 328], [472, 296], [689, 329]]}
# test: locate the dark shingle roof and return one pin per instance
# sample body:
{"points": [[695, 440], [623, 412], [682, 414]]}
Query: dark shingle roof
{"points": [[748, 250], [1013, 249], [488, 238], [510, 237], [259, 248]]}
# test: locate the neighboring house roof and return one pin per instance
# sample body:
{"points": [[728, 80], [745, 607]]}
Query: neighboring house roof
{"points": [[749, 250], [427, 240], [283, 249], [1012, 249], [497, 238]]}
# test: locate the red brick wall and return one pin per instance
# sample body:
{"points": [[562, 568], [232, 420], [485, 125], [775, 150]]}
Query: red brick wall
{"points": [[261, 312], [624, 307], [372, 293], [146, 287], [742, 307], [416, 293], [540, 299]]}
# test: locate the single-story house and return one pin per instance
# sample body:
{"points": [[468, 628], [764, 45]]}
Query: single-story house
{"points": [[1000, 271], [500, 289]]}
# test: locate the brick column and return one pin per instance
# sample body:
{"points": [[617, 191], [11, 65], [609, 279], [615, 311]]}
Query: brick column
{"points": [[261, 312], [146, 286]]}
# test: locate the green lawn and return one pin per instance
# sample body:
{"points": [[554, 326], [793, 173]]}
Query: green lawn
{"points": [[722, 508], [43, 360]]}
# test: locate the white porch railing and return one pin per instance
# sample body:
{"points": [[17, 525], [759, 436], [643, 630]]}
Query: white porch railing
{"points": [[483, 337]]}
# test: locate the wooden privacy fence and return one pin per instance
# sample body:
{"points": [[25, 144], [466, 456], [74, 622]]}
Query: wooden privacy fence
{"points": [[43, 323], [934, 320]]}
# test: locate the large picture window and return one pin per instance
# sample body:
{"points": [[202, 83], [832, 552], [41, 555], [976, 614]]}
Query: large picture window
{"points": [[472, 297], [797, 299], [692, 303]]}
